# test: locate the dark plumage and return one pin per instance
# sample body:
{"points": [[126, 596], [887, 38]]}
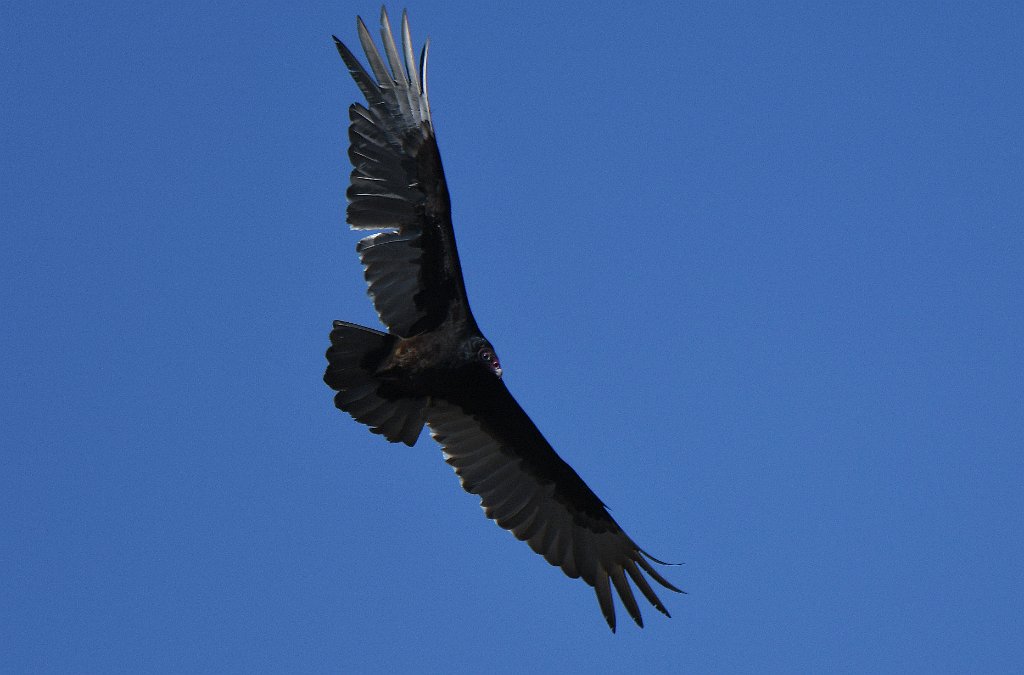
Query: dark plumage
{"points": [[434, 366]]}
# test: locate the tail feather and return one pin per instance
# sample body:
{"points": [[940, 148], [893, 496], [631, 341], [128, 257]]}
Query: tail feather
{"points": [[353, 359]]}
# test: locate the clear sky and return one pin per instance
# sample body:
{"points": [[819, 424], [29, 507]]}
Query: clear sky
{"points": [[756, 274]]}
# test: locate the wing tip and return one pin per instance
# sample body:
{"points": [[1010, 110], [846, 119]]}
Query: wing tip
{"points": [[660, 562], [653, 573]]}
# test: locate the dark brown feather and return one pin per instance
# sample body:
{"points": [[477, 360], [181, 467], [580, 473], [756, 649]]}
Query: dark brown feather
{"points": [[500, 455], [398, 185]]}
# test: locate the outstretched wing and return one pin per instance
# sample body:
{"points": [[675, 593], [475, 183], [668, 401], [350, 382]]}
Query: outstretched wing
{"points": [[526, 488], [398, 186]]}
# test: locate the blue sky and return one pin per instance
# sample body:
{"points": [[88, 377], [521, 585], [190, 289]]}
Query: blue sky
{"points": [[756, 273]]}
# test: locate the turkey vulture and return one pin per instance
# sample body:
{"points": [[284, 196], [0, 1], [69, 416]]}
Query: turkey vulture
{"points": [[434, 366]]}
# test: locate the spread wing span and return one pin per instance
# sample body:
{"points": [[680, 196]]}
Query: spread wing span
{"points": [[398, 186], [434, 366]]}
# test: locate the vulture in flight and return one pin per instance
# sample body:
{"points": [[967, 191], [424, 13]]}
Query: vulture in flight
{"points": [[433, 366]]}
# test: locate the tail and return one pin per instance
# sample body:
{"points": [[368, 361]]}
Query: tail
{"points": [[353, 359]]}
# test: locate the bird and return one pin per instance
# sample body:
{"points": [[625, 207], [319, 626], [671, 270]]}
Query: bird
{"points": [[433, 366]]}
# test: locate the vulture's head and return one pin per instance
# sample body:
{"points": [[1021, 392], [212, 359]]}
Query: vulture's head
{"points": [[482, 352]]}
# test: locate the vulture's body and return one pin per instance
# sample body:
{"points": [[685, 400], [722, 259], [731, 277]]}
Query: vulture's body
{"points": [[434, 367]]}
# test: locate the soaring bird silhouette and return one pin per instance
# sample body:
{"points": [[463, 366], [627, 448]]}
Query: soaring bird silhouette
{"points": [[434, 366]]}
